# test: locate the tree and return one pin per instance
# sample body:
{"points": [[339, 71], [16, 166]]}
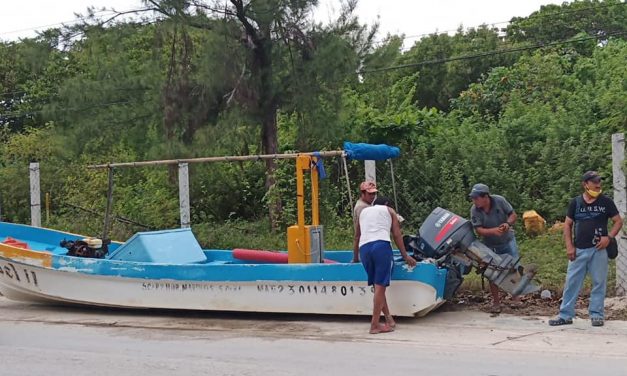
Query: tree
{"points": [[279, 41], [562, 22]]}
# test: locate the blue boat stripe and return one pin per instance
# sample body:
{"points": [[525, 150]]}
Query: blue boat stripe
{"points": [[221, 272]]}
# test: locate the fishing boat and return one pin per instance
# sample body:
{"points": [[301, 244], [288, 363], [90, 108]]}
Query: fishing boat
{"points": [[168, 269]]}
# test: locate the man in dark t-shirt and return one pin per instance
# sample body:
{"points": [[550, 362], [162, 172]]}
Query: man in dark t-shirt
{"points": [[588, 214]]}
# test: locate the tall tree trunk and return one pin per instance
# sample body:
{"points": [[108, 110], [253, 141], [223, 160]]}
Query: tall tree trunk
{"points": [[258, 39], [270, 146]]}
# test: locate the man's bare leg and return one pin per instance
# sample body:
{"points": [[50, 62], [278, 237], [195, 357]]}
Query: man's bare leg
{"points": [[378, 304]]}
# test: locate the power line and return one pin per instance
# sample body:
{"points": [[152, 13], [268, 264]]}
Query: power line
{"points": [[422, 63], [62, 23], [16, 115], [532, 16], [101, 14], [94, 89], [487, 53]]}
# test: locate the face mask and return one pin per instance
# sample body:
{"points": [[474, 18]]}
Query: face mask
{"points": [[593, 194]]}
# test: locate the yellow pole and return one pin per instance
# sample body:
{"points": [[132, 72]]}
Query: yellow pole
{"points": [[315, 213], [300, 190]]}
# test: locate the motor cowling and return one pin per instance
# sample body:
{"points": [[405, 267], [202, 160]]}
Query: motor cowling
{"points": [[444, 232]]}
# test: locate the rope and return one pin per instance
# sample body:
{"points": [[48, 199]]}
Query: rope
{"points": [[348, 185], [393, 184]]}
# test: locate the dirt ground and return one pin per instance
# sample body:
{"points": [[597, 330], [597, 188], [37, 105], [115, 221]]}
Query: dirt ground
{"points": [[533, 305]]}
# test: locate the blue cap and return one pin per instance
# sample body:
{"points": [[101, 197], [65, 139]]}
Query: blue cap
{"points": [[478, 190]]}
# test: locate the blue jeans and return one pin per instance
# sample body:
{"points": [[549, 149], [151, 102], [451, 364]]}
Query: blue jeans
{"points": [[588, 260], [511, 248]]}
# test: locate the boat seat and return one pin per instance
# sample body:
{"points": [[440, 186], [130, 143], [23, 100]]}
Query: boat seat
{"points": [[178, 246]]}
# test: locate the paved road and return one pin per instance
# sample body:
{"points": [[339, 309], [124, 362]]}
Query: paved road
{"points": [[51, 341]]}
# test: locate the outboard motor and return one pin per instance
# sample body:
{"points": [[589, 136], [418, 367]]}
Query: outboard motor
{"points": [[88, 247], [450, 240]]}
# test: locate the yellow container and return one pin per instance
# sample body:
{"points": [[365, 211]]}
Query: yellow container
{"points": [[298, 244], [534, 223]]}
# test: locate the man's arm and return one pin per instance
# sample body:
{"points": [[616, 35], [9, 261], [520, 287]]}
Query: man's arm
{"points": [[568, 239], [605, 240], [483, 231], [618, 224], [398, 238], [356, 243]]}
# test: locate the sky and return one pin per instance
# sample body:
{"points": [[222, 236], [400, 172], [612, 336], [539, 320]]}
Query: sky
{"points": [[20, 19]]}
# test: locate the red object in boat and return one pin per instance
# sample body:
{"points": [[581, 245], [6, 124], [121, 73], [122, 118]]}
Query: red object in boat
{"points": [[15, 243], [265, 256]]}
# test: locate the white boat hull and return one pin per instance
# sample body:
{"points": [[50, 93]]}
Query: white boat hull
{"points": [[25, 282]]}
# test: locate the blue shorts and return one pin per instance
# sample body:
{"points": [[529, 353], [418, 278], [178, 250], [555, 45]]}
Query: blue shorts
{"points": [[511, 248], [377, 259]]}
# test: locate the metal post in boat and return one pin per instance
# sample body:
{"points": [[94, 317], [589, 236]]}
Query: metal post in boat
{"points": [[298, 236], [315, 207], [47, 207], [184, 195], [35, 195], [348, 184], [393, 184], [301, 165], [371, 170], [109, 208]]}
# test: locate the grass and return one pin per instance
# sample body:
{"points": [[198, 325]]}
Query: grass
{"points": [[546, 251]]}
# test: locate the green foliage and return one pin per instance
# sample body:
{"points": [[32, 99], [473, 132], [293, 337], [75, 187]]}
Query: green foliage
{"points": [[561, 22], [527, 124]]}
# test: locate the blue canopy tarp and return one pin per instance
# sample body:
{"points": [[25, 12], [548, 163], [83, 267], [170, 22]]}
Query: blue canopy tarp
{"points": [[363, 152]]}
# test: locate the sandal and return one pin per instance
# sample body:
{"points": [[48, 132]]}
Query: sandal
{"points": [[560, 321], [496, 308]]}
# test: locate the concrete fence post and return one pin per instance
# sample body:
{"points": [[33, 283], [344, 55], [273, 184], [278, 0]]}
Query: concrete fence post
{"points": [[620, 198], [371, 171], [184, 195], [35, 195]]}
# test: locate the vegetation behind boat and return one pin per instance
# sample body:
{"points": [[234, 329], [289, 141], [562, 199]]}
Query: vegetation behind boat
{"points": [[532, 110]]}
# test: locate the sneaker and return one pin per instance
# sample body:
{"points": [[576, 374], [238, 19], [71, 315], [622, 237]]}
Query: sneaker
{"points": [[597, 321], [560, 321]]}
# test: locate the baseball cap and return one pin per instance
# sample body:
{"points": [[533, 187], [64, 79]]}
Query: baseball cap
{"points": [[591, 175], [368, 186], [479, 189]]}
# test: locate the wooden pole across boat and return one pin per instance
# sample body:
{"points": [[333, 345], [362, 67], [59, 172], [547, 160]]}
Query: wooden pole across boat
{"points": [[236, 158]]}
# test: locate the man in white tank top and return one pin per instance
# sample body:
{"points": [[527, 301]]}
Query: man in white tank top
{"points": [[373, 247]]}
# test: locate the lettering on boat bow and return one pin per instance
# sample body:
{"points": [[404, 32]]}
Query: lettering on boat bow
{"points": [[20, 275], [177, 286]]}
